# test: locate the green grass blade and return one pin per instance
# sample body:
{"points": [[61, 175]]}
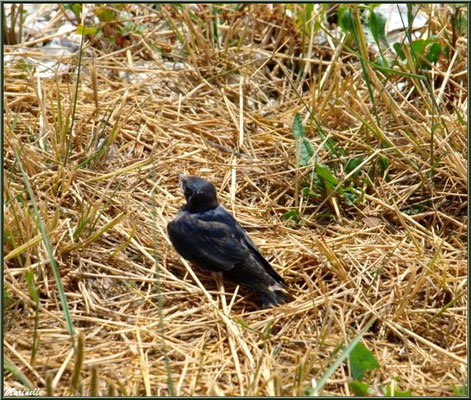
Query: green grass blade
{"points": [[159, 293], [9, 366], [342, 357], [79, 357], [72, 119], [47, 243]]}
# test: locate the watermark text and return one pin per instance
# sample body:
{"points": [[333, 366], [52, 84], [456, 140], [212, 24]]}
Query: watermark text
{"points": [[17, 392]]}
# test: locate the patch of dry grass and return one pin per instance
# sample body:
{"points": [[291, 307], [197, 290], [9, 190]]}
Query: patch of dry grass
{"points": [[220, 105]]}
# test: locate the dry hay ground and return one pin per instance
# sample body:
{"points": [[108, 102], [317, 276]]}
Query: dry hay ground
{"points": [[224, 112]]}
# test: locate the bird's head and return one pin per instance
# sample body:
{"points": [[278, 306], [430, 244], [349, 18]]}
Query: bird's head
{"points": [[200, 194]]}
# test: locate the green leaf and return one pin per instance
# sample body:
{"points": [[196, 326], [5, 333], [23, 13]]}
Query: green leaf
{"points": [[309, 8], [291, 215], [413, 210], [397, 393], [381, 27], [398, 49], [346, 20], [446, 51], [361, 361], [331, 145], [345, 353], [309, 193], [323, 171], [267, 330], [382, 62], [461, 391], [434, 52], [298, 128], [24, 66], [360, 388], [104, 14], [33, 291], [305, 152], [351, 197], [418, 46], [88, 30], [383, 162], [352, 164], [376, 28], [77, 9]]}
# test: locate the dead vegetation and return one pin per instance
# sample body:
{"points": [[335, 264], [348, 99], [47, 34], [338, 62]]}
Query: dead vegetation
{"points": [[220, 103]]}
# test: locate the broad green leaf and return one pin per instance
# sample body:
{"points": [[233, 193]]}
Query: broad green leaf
{"points": [[375, 27], [352, 164], [446, 51], [351, 197], [305, 152], [298, 128], [360, 388], [418, 46], [104, 14], [361, 361], [380, 21], [345, 353], [88, 30], [291, 215], [398, 49], [346, 20], [383, 162], [310, 193], [323, 171], [397, 393], [434, 52], [77, 9]]}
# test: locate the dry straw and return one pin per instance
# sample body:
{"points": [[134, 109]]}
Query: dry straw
{"points": [[215, 94]]}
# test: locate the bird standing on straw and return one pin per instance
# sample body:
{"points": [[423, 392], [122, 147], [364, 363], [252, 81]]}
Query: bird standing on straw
{"points": [[204, 233]]}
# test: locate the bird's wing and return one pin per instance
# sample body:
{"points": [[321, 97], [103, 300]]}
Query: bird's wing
{"points": [[223, 215], [211, 244], [256, 253]]}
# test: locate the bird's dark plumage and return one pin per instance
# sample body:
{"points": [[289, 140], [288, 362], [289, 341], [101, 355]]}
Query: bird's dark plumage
{"points": [[206, 234]]}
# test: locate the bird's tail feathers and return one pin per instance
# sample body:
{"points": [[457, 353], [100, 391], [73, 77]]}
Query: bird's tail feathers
{"points": [[273, 298]]}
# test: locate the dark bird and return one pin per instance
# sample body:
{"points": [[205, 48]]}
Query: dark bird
{"points": [[206, 234]]}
